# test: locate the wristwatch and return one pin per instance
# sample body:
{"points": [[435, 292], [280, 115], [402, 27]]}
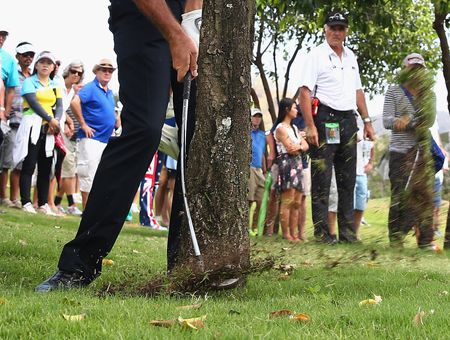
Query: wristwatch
{"points": [[367, 120]]}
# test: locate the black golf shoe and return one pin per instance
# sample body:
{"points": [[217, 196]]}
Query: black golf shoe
{"points": [[62, 280]]}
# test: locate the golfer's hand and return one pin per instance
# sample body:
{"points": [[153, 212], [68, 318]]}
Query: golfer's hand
{"points": [[87, 130], [401, 123], [369, 132], [184, 53], [312, 136]]}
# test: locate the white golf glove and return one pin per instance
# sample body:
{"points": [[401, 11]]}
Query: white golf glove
{"points": [[191, 23]]}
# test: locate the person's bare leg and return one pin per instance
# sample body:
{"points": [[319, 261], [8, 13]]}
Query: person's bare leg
{"points": [[293, 214], [272, 212], [51, 194], [3, 183], [358, 215], [256, 215], [84, 198], [332, 217], [160, 195], [287, 200], [14, 178], [169, 197], [302, 218]]}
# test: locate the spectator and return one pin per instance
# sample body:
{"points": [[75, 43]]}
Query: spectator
{"points": [[290, 145], [409, 111], [257, 165], [365, 156], [94, 108], [24, 54], [42, 110], [73, 76], [331, 72]]}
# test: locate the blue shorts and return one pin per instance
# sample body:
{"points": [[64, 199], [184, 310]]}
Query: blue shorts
{"points": [[361, 192], [437, 199]]}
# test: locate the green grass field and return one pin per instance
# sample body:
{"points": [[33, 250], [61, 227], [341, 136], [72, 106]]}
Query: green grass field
{"points": [[326, 283]]}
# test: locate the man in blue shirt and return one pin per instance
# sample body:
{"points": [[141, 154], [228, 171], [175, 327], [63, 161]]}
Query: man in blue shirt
{"points": [[94, 107], [257, 165]]}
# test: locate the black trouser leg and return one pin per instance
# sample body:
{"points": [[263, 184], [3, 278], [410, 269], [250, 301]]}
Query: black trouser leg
{"points": [[173, 244], [43, 174], [321, 170], [144, 78], [345, 169], [28, 166]]}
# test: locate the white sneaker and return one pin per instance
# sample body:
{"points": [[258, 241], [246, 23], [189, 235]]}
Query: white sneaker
{"points": [[46, 210], [7, 202], [74, 211], [134, 208], [29, 208], [17, 204]]}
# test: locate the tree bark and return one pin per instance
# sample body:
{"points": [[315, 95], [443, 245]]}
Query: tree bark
{"points": [[438, 25], [218, 165]]}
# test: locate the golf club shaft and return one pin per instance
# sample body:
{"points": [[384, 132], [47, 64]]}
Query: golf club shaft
{"points": [[186, 95]]}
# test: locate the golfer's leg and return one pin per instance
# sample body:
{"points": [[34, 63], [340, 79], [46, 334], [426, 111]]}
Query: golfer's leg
{"points": [[144, 87]]}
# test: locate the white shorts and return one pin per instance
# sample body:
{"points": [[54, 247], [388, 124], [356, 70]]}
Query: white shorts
{"points": [[88, 157]]}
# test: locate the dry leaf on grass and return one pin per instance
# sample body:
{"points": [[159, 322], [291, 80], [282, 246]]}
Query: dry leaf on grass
{"points": [[189, 307], [23, 243], [163, 323], [282, 312], [107, 262], [192, 323], [418, 318], [3, 301], [375, 301], [78, 317], [302, 317], [136, 251]]}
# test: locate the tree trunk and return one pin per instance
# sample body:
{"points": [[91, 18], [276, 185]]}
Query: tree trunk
{"points": [[219, 156], [438, 25]]}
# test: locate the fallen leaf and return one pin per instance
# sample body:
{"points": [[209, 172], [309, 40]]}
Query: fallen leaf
{"points": [[192, 323], [163, 323], [307, 263], [443, 293], [107, 262], [235, 312], [78, 317], [57, 227], [22, 242], [300, 317], [188, 307], [375, 301], [282, 312], [418, 318], [284, 277], [372, 264], [135, 251], [3, 301]]}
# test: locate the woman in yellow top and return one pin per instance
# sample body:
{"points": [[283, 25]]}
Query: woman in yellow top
{"points": [[42, 109]]}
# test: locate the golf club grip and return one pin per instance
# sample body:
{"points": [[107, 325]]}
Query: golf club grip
{"points": [[187, 85]]}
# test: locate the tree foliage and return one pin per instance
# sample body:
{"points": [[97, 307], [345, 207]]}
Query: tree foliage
{"points": [[382, 33]]}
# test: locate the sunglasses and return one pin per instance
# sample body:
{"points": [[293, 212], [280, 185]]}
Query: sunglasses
{"points": [[106, 70], [78, 73], [28, 55]]}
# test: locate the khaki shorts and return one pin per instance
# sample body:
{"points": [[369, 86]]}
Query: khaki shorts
{"points": [[6, 150], [88, 157], [256, 184], [69, 165]]}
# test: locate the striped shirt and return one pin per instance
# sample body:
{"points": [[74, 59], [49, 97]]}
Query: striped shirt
{"points": [[397, 104]]}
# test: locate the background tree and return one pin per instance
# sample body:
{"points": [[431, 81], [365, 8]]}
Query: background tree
{"points": [[218, 166]]}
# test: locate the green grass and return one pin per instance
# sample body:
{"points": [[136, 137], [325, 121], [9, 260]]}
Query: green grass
{"points": [[325, 282]]}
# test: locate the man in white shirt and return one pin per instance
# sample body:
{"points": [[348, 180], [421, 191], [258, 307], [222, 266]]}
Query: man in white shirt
{"points": [[331, 74]]}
